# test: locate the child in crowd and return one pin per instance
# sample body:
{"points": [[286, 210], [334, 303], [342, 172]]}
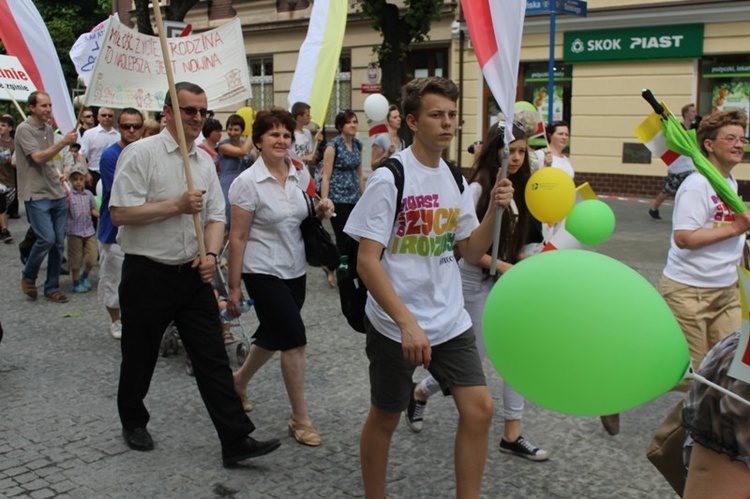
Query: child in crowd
{"points": [[80, 230]]}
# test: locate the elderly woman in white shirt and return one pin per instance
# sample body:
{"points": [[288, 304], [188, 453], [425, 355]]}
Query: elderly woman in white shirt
{"points": [[267, 252]]}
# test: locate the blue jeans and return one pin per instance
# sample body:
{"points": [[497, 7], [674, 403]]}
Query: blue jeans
{"points": [[48, 218]]}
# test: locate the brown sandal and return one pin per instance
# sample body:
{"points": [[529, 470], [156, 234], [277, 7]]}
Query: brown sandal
{"points": [[304, 434]]}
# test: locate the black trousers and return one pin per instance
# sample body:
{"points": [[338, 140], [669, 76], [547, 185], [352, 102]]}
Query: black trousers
{"points": [[152, 295]]}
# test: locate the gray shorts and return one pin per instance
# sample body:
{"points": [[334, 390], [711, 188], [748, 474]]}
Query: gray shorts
{"points": [[454, 363]]}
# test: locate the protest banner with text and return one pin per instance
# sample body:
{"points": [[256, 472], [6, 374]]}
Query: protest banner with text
{"points": [[130, 71], [14, 79]]}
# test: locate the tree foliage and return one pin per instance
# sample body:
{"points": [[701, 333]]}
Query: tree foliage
{"points": [[399, 30]]}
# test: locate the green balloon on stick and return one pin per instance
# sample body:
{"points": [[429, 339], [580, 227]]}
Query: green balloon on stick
{"points": [[602, 339], [591, 222]]}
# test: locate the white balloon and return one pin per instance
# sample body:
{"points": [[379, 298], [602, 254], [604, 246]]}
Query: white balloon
{"points": [[376, 107]]}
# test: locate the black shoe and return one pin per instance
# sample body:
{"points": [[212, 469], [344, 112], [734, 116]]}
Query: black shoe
{"points": [[654, 212], [611, 423], [138, 439], [414, 414], [64, 270], [247, 448], [524, 448], [14, 216]]}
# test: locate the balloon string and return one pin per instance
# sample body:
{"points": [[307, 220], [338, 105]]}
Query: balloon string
{"points": [[698, 377]]}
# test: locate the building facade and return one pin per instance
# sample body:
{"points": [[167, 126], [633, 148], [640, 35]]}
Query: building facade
{"points": [[684, 51]]}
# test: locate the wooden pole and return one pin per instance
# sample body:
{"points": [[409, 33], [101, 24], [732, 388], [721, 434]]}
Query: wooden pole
{"points": [[15, 103], [178, 123]]}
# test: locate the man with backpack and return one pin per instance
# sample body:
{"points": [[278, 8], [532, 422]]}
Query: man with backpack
{"points": [[414, 311]]}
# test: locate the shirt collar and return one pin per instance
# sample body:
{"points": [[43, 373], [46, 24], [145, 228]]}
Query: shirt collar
{"points": [[264, 174], [171, 144]]}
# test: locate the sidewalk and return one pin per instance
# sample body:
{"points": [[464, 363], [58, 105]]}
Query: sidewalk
{"points": [[60, 435]]}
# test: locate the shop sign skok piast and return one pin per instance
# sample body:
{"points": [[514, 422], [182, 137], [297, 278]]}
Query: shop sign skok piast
{"points": [[654, 42]]}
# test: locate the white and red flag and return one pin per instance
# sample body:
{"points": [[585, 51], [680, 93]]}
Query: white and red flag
{"points": [[495, 28], [26, 37]]}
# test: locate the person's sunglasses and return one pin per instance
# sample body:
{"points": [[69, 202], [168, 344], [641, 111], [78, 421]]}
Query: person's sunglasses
{"points": [[128, 126], [192, 111], [87, 116], [106, 115]]}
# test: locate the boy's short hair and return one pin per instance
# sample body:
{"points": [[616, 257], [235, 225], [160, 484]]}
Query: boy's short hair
{"points": [[685, 109], [75, 146], [412, 92], [299, 108], [709, 127]]}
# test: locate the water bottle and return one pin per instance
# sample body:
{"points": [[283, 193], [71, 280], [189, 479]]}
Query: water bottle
{"points": [[342, 272], [244, 307]]}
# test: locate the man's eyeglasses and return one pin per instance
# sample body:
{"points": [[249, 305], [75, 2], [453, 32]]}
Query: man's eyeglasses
{"points": [[731, 139], [103, 115], [128, 126], [192, 111], [87, 116]]}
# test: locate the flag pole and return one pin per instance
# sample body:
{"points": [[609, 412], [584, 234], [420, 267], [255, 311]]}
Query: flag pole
{"points": [[15, 103], [178, 123], [499, 217]]}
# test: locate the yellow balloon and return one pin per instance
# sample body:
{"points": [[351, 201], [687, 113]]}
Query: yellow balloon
{"points": [[550, 195], [248, 114]]}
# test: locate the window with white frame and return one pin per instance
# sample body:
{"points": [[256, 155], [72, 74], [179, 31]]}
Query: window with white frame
{"points": [[261, 82], [341, 95]]}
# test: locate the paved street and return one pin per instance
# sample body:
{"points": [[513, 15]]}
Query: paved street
{"points": [[60, 435]]}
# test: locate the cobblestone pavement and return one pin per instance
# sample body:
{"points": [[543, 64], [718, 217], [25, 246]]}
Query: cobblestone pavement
{"points": [[60, 434]]}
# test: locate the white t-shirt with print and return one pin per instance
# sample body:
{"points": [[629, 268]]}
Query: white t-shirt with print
{"points": [[302, 143], [418, 257], [713, 266]]}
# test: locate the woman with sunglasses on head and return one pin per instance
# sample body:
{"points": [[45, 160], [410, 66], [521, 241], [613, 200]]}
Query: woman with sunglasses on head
{"points": [[235, 156], [267, 253], [342, 180], [558, 135], [385, 145], [211, 137], [477, 283]]}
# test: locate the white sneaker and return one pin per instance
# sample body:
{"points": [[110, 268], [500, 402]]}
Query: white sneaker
{"points": [[116, 330]]}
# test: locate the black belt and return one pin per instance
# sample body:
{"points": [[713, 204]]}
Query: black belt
{"points": [[143, 260]]}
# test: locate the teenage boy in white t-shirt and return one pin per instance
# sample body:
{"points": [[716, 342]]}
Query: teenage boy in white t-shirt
{"points": [[415, 312], [303, 146], [700, 279]]}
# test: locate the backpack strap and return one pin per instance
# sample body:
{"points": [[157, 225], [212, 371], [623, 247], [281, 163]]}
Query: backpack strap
{"points": [[458, 176], [397, 169]]}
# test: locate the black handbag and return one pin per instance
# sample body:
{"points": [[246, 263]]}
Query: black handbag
{"points": [[320, 251]]}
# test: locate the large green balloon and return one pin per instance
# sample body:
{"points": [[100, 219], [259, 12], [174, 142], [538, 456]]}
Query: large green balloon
{"points": [[591, 222], [580, 333]]}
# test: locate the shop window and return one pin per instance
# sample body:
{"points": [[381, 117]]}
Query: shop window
{"points": [[341, 95], [533, 87], [536, 89], [261, 82], [725, 84]]}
